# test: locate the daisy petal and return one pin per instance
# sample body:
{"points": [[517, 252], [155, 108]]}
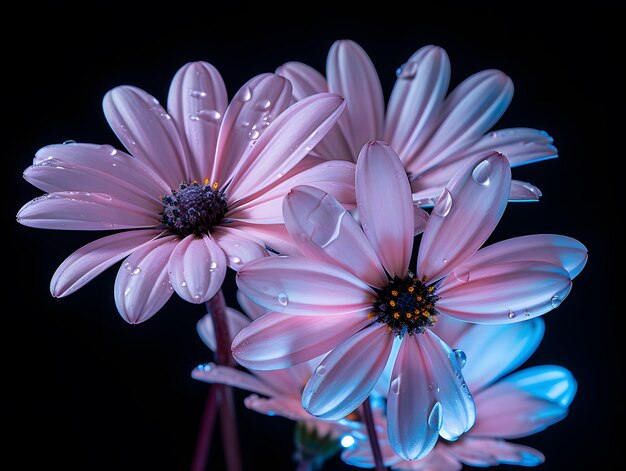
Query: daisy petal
{"points": [[253, 107], [82, 211], [235, 320], [440, 459], [495, 350], [274, 237], [212, 373], [549, 248], [142, 284], [416, 99], [92, 259], [413, 412], [335, 178], [237, 246], [287, 408], [325, 231], [465, 215], [352, 75], [468, 112], [279, 340], [524, 192], [347, 375], [475, 451], [297, 285], [420, 219], [197, 268], [96, 169], [147, 131], [197, 101], [504, 293], [289, 138], [387, 216], [252, 309], [533, 399]]}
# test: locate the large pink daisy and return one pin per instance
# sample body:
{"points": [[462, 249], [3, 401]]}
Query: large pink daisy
{"points": [[434, 135], [201, 191], [354, 295]]}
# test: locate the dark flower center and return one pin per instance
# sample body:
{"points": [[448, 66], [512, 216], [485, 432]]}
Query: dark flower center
{"points": [[193, 208], [406, 305]]}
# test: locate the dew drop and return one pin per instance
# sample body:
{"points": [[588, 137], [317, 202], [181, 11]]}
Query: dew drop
{"points": [[183, 283], [407, 71], [526, 312], [464, 385], [254, 134], [511, 314], [444, 204], [244, 124], [113, 152], [127, 291], [210, 116], [136, 271], [435, 419], [461, 358], [429, 387], [462, 274], [194, 117], [395, 386], [196, 296], [213, 266], [282, 298], [320, 370], [197, 94], [246, 94], [556, 301], [481, 173], [235, 260], [445, 260], [264, 105], [425, 202]]}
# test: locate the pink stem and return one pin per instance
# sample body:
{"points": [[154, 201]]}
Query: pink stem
{"points": [[205, 434], [371, 433]]}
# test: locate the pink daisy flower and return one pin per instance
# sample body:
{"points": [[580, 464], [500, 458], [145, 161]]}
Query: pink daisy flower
{"points": [[201, 191], [354, 296], [518, 405], [434, 135]]}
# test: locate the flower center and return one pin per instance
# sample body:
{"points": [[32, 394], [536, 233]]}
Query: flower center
{"points": [[193, 208], [406, 305]]}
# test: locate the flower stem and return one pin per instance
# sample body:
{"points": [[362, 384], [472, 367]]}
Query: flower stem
{"points": [[216, 307], [371, 433], [205, 434]]}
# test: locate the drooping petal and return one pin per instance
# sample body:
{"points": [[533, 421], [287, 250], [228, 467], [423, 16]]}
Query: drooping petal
{"points": [[324, 230], [235, 320], [465, 215], [197, 101], [252, 309], [92, 259], [83, 211], [142, 284], [525, 402], [347, 375], [197, 268], [413, 413], [475, 451], [504, 293], [297, 285], [238, 246], [97, 169], [352, 75], [495, 350], [335, 178], [212, 373], [469, 111], [288, 408], [289, 138], [147, 131], [251, 110], [549, 248], [385, 206], [416, 100], [279, 340]]}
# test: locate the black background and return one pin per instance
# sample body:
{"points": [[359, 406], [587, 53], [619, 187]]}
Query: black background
{"points": [[84, 390]]}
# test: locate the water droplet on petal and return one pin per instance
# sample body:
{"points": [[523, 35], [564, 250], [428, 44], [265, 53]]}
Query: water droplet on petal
{"points": [[511, 314], [461, 358], [556, 301], [254, 134], [429, 387], [197, 94], [113, 152], [282, 298], [462, 274], [136, 271], [264, 105], [210, 116], [445, 260], [407, 71], [395, 386], [481, 173], [194, 117], [526, 312], [425, 202], [213, 266], [183, 283], [235, 260], [444, 204], [320, 370], [246, 95], [196, 296], [127, 291], [435, 419], [69, 141]]}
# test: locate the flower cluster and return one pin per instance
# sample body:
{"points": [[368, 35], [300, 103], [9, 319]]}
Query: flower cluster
{"points": [[400, 350]]}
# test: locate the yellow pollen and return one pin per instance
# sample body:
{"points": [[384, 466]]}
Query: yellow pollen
{"points": [[428, 306], [418, 298], [195, 182], [371, 315], [409, 315], [410, 289], [392, 303], [416, 312], [215, 185], [431, 289], [394, 293], [396, 315], [426, 314], [389, 328], [205, 181]]}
